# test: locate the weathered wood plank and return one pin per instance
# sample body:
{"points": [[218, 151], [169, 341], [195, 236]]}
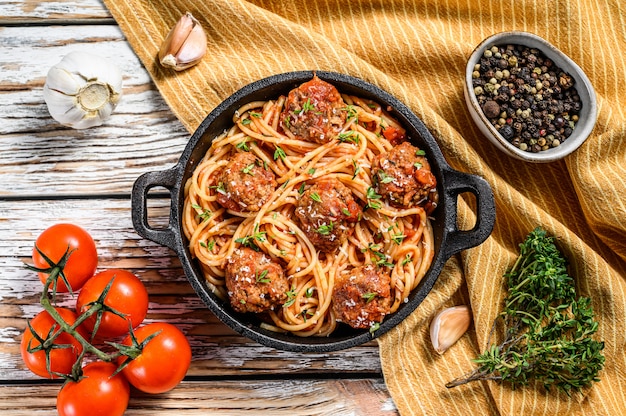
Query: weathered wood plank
{"points": [[217, 350], [267, 397], [37, 10], [39, 156]]}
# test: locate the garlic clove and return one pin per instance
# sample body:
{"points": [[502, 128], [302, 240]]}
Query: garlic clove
{"points": [[194, 48], [58, 103], [185, 44], [448, 326], [59, 79]]}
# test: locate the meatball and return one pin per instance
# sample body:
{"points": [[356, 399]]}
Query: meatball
{"points": [[244, 184], [403, 176], [362, 296], [327, 213], [254, 282], [314, 112]]}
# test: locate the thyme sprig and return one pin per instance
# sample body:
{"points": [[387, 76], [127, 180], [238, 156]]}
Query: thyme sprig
{"points": [[544, 331]]}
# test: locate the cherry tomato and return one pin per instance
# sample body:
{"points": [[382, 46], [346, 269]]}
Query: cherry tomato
{"points": [[97, 394], [61, 359], [54, 242], [163, 362], [127, 295]]}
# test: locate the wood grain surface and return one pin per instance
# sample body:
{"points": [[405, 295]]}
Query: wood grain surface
{"points": [[51, 174]]}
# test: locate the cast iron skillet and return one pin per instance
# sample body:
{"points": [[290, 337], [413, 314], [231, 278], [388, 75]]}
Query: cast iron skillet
{"points": [[449, 239]]}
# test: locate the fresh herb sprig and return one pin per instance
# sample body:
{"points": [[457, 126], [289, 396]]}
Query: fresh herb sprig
{"points": [[545, 331]]}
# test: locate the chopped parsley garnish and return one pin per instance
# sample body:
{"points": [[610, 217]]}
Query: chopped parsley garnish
{"points": [[346, 211], [248, 169], [208, 245], [352, 114], [306, 313], [301, 189], [246, 121], [205, 214], [374, 327], [311, 171], [307, 106], [357, 168], [249, 240], [369, 296], [380, 259], [349, 137], [420, 152], [373, 247], [325, 229], [254, 114], [279, 153], [262, 277], [398, 238], [243, 145], [372, 199], [407, 260], [417, 165], [383, 262], [309, 292], [291, 297], [385, 178], [315, 197]]}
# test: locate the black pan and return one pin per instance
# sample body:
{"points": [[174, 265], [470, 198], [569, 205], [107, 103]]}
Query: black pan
{"points": [[449, 239]]}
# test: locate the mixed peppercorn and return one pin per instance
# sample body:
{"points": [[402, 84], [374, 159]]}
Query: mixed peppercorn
{"points": [[530, 101]]}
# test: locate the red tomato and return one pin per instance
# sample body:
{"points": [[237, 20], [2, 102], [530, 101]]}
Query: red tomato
{"points": [[97, 394], [163, 362], [127, 295], [82, 263], [395, 135], [61, 359]]}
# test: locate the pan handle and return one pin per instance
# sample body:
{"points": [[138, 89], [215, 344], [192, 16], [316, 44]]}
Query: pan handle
{"points": [[456, 183], [139, 206]]}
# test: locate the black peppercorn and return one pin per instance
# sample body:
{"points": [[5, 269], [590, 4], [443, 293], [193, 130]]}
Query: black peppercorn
{"points": [[507, 132], [491, 109]]}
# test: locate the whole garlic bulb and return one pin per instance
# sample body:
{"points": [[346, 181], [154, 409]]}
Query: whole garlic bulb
{"points": [[82, 90]]}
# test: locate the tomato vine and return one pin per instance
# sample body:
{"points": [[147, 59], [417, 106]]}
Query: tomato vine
{"points": [[59, 343]]}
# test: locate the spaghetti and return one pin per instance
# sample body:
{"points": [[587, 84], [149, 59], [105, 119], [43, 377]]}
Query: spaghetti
{"points": [[395, 239]]}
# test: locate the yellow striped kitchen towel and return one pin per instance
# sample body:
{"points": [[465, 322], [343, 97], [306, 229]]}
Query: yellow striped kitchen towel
{"points": [[417, 50]]}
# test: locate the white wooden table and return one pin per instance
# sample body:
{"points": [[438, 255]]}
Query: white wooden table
{"points": [[51, 174]]}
